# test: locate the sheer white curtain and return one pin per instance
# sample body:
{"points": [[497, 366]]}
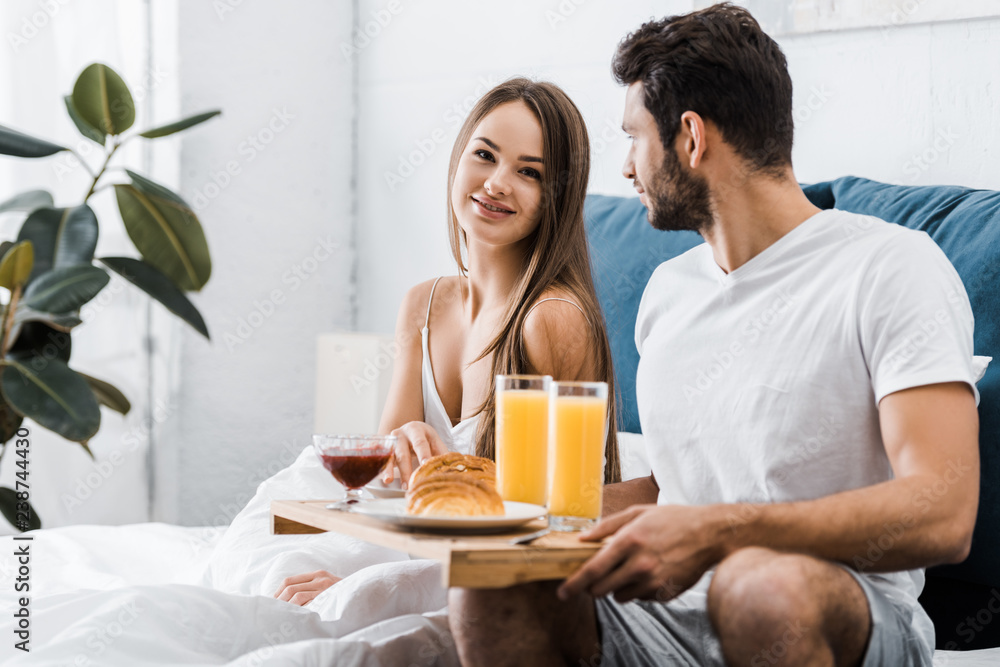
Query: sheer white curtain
{"points": [[46, 45]]}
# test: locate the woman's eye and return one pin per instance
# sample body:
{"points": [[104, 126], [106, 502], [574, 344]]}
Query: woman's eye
{"points": [[484, 154], [531, 173]]}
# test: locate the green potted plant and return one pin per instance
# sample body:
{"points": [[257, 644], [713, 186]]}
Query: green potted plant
{"points": [[49, 272]]}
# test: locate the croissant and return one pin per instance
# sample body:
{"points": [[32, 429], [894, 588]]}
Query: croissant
{"points": [[444, 497], [454, 485], [455, 463]]}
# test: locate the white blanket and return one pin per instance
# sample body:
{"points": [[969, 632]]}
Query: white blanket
{"points": [[153, 594], [157, 594]]}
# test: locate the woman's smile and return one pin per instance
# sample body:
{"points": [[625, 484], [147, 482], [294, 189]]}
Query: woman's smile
{"points": [[491, 209]]}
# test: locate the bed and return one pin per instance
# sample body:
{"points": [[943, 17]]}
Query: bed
{"points": [[153, 594]]}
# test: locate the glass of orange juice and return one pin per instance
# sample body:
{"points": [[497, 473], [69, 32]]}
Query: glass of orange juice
{"points": [[578, 422], [522, 437]]}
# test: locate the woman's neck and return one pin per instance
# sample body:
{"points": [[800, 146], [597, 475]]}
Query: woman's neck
{"points": [[493, 272]]}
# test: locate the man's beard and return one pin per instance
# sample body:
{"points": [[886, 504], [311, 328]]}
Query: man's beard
{"points": [[678, 200]]}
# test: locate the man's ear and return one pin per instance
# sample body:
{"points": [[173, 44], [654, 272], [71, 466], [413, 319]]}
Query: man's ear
{"points": [[692, 139]]}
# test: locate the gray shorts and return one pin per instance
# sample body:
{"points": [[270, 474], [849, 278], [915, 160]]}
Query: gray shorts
{"points": [[679, 633]]}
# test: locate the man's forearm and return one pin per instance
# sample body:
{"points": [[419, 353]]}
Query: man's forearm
{"points": [[639, 491], [901, 524]]}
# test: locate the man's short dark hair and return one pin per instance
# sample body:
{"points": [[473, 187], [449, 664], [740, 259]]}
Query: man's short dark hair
{"points": [[718, 63]]}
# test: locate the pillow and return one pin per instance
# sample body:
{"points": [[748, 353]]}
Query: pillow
{"points": [[624, 250]]}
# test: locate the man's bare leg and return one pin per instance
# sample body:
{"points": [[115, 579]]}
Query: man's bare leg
{"points": [[774, 608], [499, 627]]}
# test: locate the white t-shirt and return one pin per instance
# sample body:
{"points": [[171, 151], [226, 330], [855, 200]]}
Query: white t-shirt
{"points": [[762, 385]]}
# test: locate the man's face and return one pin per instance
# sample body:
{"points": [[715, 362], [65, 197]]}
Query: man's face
{"points": [[676, 198]]}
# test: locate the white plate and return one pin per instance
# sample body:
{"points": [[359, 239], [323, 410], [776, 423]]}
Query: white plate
{"points": [[393, 510], [380, 490]]}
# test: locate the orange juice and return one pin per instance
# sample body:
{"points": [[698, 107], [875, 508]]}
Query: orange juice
{"points": [[522, 444], [577, 464]]}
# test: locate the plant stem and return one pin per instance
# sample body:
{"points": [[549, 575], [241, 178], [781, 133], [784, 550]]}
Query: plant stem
{"points": [[82, 162], [104, 166], [8, 318]]}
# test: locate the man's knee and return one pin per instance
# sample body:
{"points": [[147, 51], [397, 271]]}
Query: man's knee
{"points": [[770, 585]]}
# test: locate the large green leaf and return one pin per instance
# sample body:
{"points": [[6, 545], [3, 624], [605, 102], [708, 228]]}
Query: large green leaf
{"points": [[17, 144], [39, 339], [15, 267], [27, 201], [61, 237], [167, 234], [107, 394], [65, 289], [8, 507], [10, 421], [51, 393], [86, 129], [59, 321], [151, 188], [103, 100], [179, 125], [155, 284]]}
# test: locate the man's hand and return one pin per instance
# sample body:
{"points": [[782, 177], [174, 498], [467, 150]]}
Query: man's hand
{"points": [[303, 588], [656, 553], [415, 439]]}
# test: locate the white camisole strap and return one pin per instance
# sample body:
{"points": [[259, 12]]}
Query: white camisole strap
{"points": [[430, 299], [457, 437], [555, 298]]}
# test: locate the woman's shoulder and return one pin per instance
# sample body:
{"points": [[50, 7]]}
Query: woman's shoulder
{"points": [[557, 306], [418, 298], [557, 337]]}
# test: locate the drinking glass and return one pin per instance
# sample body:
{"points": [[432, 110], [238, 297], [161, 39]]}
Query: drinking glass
{"points": [[522, 423], [578, 423], [354, 460]]}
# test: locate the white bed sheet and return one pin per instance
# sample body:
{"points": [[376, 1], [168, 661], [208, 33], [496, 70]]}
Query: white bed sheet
{"points": [[155, 594]]}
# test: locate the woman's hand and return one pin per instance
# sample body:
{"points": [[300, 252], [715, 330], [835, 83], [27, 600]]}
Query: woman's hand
{"points": [[415, 439], [303, 588]]}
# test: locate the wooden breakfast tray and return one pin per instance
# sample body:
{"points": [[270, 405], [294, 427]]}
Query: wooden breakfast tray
{"points": [[469, 561]]}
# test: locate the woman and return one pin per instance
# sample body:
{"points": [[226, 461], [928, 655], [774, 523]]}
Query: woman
{"points": [[524, 299]]}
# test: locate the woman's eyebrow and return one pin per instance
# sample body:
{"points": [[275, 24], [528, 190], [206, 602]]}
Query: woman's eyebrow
{"points": [[522, 158]]}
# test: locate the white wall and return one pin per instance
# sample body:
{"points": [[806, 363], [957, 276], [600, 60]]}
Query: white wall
{"points": [[422, 73], [868, 102], [280, 233], [910, 104]]}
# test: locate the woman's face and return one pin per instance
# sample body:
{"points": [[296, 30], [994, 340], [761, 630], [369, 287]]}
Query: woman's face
{"points": [[497, 190]]}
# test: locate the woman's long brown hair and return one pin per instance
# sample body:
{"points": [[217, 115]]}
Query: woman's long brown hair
{"points": [[558, 257]]}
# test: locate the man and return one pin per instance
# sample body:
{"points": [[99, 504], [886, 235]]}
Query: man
{"points": [[805, 390]]}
